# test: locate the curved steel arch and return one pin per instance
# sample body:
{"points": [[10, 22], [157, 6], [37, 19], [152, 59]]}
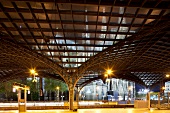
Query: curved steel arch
{"points": [[90, 80], [48, 75], [140, 35], [21, 51], [20, 74], [130, 77], [159, 82], [23, 74]]}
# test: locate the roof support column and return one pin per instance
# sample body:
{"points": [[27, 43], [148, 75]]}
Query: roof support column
{"points": [[77, 97], [41, 89], [71, 81], [71, 96]]}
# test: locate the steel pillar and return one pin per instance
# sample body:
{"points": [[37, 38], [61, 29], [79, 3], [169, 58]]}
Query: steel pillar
{"points": [[71, 97]]}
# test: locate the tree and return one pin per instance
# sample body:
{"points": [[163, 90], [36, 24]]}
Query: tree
{"points": [[51, 84], [63, 87], [34, 89], [6, 89]]}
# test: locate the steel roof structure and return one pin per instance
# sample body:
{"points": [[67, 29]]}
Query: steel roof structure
{"points": [[80, 39]]}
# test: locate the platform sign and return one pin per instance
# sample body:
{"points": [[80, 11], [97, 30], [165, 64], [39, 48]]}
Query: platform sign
{"points": [[21, 98]]}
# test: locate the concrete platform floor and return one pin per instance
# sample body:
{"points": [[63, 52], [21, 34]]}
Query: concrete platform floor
{"points": [[106, 110]]}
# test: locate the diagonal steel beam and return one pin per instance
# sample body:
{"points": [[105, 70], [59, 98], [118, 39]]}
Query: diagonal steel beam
{"points": [[120, 44], [89, 81], [6, 45]]}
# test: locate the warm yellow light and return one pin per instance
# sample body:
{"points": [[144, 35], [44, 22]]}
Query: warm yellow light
{"points": [[130, 88], [167, 75], [109, 71], [105, 75], [163, 88], [32, 71], [16, 87], [57, 88]]}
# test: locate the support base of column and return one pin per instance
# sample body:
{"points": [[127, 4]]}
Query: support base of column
{"points": [[74, 110]]}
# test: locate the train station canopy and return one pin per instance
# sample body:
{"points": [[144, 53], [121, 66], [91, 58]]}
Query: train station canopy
{"points": [[84, 38]]}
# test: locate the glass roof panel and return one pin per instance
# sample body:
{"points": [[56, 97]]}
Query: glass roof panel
{"points": [[143, 11], [149, 21], [14, 32], [114, 20], [36, 5], [156, 12], [49, 5], [87, 29], [53, 17], [14, 15], [27, 15], [79, 18], [56, 26], [130, 10], [66, 16], [64, 6], [138, 21]]}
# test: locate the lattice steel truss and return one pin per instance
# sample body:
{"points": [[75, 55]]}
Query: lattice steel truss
{"points": [[79, 39]]}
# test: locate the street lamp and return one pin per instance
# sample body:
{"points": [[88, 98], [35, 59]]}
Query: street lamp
{"points": [[83, 97], [167, 75], [108, 72], [130, 88], [34, 73], [57, 92], [162, 84], [163, 88], [62, 97], [97, 93], [103, 97], [107, 75]]}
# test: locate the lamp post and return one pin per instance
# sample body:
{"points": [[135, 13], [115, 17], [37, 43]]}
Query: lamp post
{"points": [[83, 97], [97, 93], [34, 73], [162, 85], [162, 89], [129, 93], [102, 92], [58, 93], [107, 75], [62, 96], [167, 75], [103, 97], [168, 94]]}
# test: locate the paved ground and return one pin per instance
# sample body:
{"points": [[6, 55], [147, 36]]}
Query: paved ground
{"points": [[109, 110]]}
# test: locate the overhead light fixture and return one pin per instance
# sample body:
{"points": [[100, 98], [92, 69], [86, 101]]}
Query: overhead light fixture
{"points": [[34, 73], [167, 75], [14, 89], [109, 71]]}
